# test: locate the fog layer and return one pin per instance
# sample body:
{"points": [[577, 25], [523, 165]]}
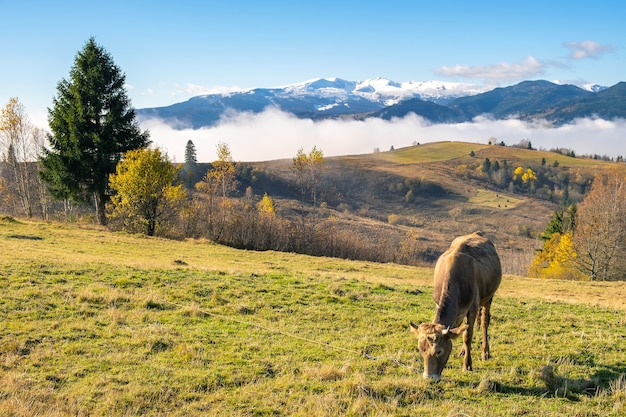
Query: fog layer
{"points": [[273, 134]]}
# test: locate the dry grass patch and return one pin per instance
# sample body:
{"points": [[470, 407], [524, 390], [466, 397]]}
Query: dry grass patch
{"points": [[327, 372], [489, 198], [609, 295]]}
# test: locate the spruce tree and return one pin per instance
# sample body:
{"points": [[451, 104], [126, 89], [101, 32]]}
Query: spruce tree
{"points": [[92, 124], [190, 153], [190, 167]]}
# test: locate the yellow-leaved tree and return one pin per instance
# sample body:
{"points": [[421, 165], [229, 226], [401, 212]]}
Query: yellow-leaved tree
{"points": [[266, 206], [146, 191], [525, 178], [557, 259]]}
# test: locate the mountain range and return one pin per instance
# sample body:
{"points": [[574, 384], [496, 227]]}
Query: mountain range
{"points": [[435, 101]]}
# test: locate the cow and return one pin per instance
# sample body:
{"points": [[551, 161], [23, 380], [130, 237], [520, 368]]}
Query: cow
{"points": [[466, 277]]}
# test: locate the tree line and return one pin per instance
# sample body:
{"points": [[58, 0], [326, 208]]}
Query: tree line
{"points": [[545, 180]]}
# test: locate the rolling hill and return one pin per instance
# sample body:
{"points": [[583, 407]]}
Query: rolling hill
{"points": [[434, 192]]}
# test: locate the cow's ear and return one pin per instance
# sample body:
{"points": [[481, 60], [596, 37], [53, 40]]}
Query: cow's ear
{"points": [[457, 331]]}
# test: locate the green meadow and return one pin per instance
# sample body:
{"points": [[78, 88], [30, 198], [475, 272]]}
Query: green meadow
{"points": [[96, 323]]}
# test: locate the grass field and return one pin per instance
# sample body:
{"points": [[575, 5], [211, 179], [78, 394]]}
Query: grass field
{"points": [[445, 151], [490, 198], [441, 151], [535, 156], [100, 323]]}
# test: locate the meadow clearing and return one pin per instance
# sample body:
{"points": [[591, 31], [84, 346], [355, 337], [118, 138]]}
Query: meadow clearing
{"points": [[100, 323]]}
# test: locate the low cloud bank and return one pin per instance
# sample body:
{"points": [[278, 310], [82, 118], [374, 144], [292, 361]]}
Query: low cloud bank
{"points": [[275, 135]]}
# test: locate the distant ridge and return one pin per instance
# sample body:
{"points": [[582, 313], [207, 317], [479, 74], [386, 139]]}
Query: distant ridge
{"points": [[435, 101]]}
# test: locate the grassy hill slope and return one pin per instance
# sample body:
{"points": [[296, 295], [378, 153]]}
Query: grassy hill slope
{"points": [[101, 323], [447, 199]]}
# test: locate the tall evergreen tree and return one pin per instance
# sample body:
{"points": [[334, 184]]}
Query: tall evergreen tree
{"points": [[92, 124], [190, 153], [190, 167]]}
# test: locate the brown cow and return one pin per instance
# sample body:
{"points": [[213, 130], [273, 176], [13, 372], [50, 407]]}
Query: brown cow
{"points": [[466, 277]]}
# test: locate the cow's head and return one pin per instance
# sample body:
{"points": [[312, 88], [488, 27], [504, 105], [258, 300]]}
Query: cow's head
{"points": [[435, 345]]}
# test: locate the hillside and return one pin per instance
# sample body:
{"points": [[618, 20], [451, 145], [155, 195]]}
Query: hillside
{"points": [[607, 104], [102, 323], [433, 192], [526, 100]]}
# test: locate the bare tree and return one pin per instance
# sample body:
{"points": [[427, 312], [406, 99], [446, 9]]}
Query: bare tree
{"points": [[219, 183], [600, 233], [16, 139], [308, 170]]}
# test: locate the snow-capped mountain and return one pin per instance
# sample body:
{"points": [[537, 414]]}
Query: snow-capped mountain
{"points": [[436, 101], [593, 88], [384, 91], [317, 98], [436, 91]]}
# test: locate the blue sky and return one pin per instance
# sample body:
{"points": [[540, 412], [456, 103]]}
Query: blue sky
{"points": [[173, 50]]}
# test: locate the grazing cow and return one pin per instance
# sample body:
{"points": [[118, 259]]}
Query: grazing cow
{"points": [[466, 277]]}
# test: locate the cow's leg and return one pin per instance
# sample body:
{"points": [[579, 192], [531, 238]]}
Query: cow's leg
{"points": [[467, 338], [485, 319]]}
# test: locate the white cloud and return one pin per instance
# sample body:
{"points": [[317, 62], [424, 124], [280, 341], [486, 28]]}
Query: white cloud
{"points": [[276, 135], [504, 71], [587, 49]]}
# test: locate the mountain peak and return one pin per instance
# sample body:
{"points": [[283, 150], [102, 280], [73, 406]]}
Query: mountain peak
{"points": [[320, 84], [438, 101]]}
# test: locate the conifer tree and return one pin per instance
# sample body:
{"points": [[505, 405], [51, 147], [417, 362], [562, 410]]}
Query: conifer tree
{"points": [[92, 124], [190, 167], [190, 153]]}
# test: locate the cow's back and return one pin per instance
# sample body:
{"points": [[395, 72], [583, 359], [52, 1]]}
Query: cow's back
{"points": [[488, 268], [472, 261]]}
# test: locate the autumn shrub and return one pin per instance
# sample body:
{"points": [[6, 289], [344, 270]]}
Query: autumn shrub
{"points": [[556, 259], [147, 195]]}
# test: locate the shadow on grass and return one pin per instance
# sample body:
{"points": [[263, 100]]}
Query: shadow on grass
{"points": [[555, 385]]}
